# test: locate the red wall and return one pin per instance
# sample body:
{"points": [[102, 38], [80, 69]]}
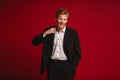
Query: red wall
{"points": [[98, 24]]}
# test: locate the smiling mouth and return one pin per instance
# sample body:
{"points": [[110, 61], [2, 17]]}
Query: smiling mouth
{"points": [[61, 24]]}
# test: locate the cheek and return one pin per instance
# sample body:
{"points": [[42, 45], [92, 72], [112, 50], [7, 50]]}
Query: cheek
{"points": [[58, 21], [65, 21]]}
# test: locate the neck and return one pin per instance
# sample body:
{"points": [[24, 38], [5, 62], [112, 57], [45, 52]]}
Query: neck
{"points": [[59, 29]]}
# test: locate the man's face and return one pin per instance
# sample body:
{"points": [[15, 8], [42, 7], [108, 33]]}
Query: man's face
{"points": [[61, 21]]}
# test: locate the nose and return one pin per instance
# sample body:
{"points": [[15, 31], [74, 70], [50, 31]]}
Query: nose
{"points": [[62, 21]]}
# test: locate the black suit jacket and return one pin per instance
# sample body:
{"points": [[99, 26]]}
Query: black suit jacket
{"points": [[71, 47]]}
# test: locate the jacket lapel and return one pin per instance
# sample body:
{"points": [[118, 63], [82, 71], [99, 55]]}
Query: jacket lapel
{"points": [[66, 36], [51, 41]]}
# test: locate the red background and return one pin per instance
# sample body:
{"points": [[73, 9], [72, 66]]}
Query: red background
{"points": [[98, 25]]}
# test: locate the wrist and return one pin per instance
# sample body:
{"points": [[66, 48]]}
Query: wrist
{"points": [[44, 34]]}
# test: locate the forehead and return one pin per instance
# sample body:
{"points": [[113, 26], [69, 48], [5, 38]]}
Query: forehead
{"points": [[63, 16]]}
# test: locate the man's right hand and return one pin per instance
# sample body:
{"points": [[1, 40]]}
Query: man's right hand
{"points": [[49, 31]]}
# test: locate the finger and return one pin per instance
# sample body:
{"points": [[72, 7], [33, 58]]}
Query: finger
{"points": [[53, 30]]}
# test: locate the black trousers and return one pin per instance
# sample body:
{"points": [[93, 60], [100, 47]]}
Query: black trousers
{"points": [[59, 70]]}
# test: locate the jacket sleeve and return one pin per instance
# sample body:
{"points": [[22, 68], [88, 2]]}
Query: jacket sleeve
{"points": [[39, 38], [77, 52]]}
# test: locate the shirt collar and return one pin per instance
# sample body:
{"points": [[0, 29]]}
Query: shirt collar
{"points": [[64, 29]]}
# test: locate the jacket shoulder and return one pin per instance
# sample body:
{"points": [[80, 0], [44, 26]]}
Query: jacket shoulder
{"points": [[72, 30]]}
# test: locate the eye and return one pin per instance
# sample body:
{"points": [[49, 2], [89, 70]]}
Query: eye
{"points": [[65, 19], [59, 18]]}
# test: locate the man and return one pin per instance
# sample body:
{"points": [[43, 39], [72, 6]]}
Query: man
{"points": [[61, 50]]}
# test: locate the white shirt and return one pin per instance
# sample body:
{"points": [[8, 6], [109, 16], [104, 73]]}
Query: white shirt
{"points": [[58, 52]]}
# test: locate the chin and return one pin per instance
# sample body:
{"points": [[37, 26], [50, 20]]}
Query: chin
{"points": [[61, 26]]}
